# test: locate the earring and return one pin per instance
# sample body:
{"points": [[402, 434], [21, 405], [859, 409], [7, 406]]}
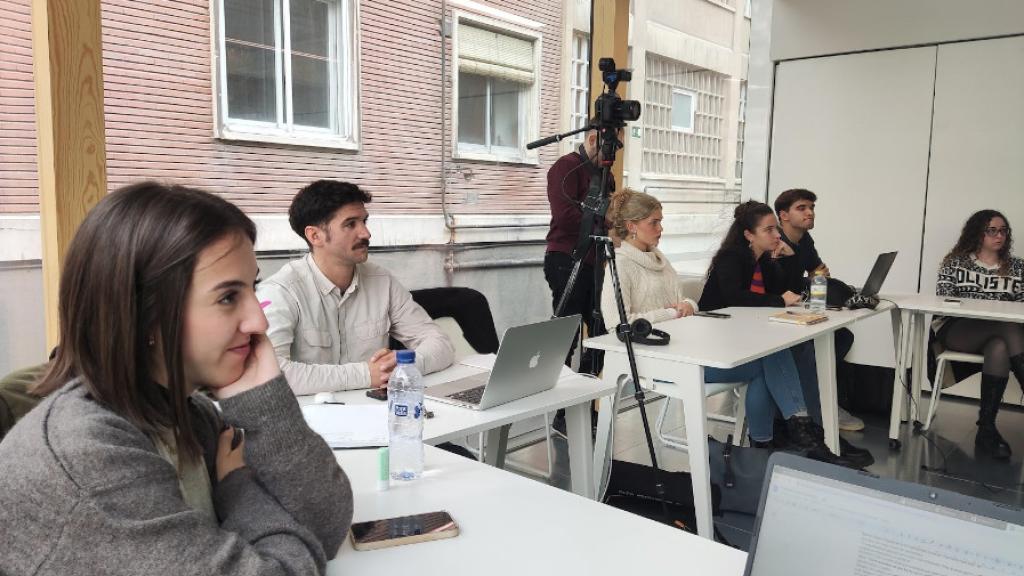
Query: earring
{"points": [[634, 235], [152, 341]]}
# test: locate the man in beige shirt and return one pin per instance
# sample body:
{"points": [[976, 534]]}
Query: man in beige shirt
{"points": [[331, 312]]}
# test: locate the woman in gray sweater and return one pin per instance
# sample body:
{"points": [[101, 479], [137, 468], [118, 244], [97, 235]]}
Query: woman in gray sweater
{"points": [[128, 467]]}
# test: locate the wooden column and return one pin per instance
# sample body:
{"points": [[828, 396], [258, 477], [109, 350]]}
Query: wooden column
{"points": [[609, 37], [68, 68]]}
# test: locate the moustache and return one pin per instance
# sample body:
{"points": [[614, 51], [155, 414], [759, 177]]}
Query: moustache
{"points": [[364, 244]]}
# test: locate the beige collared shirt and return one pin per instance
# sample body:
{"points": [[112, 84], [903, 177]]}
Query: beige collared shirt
{"points": [[323, 336]]}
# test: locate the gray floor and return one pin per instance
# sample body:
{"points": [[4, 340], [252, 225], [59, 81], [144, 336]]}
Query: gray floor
{"points": [[947, 450]]}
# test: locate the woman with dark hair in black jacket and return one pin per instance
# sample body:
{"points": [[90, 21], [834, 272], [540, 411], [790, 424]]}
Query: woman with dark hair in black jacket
{"points": [[751, 269]]}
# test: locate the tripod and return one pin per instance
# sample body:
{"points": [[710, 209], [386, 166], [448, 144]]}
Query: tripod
{"points": [[596, 205]]}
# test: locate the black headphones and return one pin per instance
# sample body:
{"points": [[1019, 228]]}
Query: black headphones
{"points": [[645, 333]]}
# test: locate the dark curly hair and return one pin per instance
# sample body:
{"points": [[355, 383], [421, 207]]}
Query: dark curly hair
{"points": [[973, 235], [746, 217], [316, 204]]}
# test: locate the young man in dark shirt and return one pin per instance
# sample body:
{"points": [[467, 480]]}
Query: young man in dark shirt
{"points": [[795, 209]]}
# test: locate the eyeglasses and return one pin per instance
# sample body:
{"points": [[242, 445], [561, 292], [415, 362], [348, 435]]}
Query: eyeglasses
{"points": [[993, 232]]}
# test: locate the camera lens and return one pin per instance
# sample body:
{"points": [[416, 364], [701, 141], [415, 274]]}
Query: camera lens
{"points": [[630, 110]]}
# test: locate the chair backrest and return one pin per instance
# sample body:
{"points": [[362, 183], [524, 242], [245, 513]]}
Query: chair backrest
{"points": [[692, 286], [468, 309]]}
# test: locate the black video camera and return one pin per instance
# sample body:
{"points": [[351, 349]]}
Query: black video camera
{"points": [[611, 110]]}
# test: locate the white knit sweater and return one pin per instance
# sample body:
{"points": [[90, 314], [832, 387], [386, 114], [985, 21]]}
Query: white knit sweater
{"points": [[650, 286]]}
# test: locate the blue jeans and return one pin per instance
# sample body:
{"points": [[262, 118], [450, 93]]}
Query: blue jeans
{"points": [[807, 365], [772, 381]]}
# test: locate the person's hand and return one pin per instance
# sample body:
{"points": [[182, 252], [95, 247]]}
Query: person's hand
{"points": [[791, 298], [823, 269], [230, 458], [381, 364], [260, 367], [783, 250], [683, 309]]}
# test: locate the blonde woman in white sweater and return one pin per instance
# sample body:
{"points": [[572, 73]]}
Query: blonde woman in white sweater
{"points": [[652, 290]]}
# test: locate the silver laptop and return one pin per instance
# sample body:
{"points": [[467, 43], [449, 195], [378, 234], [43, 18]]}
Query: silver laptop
{"points": [[816, 518], [530, 359]]}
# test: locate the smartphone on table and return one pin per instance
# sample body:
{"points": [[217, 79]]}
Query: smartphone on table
{"points": [[388, 532]]}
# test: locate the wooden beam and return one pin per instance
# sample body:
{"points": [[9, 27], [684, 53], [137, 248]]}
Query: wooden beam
{"points": [[609, 37], [67, 61]]}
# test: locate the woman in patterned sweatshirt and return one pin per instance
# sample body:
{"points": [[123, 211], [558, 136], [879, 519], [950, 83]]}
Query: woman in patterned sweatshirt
{"points": [[982, 266]]}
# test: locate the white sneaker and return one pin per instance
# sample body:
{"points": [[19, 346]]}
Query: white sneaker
{"points": [[848, 422]]}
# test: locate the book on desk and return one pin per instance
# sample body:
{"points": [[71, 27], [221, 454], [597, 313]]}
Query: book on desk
{"points": [[801, 318]]}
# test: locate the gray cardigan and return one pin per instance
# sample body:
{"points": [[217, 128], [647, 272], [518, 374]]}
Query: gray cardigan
{"points": [[82, 491]]}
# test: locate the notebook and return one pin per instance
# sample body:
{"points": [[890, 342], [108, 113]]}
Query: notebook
{"points": [[801, 318]]}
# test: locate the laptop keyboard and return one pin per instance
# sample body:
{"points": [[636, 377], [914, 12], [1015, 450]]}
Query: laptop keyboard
{"points": [[472, 396]]}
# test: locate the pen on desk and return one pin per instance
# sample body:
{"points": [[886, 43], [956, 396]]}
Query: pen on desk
{"points": [[657, 381]]}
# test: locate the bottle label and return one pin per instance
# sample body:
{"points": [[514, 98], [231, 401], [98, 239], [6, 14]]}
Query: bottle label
{"points": [[401, 410]]}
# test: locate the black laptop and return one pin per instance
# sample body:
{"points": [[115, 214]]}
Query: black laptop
{"points": [[817, 518]]}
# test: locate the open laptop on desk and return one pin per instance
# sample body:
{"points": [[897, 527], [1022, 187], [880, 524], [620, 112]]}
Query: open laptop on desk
{"points": [[529, 361], [878, 274], [816, 518]]}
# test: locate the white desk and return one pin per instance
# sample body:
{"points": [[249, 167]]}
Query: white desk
{"points": [[912, 346], [512, 525], [722, 343], [574, 393]]}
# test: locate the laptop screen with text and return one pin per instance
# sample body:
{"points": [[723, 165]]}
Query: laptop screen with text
{"points": [[812, 525]]}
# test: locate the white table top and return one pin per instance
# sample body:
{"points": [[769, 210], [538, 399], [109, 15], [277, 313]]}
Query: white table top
{"points": [[455, 422], [727, 343], [513, 525], [968, 308]]}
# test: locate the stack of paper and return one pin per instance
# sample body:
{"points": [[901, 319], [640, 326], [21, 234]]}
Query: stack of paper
{"points": [[349, 426]]}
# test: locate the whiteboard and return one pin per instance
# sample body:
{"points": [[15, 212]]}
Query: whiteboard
{"points": [[977, 144], [855, 130]]}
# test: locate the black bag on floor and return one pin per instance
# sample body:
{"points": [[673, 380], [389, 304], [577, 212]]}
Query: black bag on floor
{"points": [[631, 488], [738, 472]]}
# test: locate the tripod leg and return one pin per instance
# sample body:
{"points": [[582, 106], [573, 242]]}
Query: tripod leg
{"points": [[697, 442]]}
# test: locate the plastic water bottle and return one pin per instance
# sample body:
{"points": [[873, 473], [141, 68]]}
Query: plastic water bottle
{"points": [[819, 292], [405, 418]]}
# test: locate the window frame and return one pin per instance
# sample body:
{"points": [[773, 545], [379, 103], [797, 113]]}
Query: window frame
{"points": [[529, 98], [343, 94], [693, 110]]}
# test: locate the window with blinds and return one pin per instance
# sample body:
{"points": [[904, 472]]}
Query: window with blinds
{"points": [[496, 82]]}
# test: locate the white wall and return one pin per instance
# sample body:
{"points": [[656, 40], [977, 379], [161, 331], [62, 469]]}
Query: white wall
{"points": [[802, 28], [977, 143]]}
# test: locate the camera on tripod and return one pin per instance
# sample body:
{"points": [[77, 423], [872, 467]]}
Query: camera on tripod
{"points": [[611, 110]]}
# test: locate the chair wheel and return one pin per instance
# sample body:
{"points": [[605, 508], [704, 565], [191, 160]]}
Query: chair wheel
{"points": [[895, 444]]}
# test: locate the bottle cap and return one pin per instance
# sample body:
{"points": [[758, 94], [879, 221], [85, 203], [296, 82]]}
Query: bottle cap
{"points": [[406, 356]]}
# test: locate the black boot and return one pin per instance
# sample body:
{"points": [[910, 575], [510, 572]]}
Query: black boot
{"points": [[988, 442], [807, 437]]}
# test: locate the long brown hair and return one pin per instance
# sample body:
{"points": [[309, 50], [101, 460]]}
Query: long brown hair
{"points": [[746, 217], [123, 291], [973, 234]]}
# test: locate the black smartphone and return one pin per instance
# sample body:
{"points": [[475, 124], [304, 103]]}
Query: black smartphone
{"points": [[378, 393], [711, 314], [403, 530]]}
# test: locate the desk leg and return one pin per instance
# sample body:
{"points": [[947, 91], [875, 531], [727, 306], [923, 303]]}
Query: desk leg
{"points": [[606, 412], [899, 353], [825, 356], [497, 446], [692, 389], [581, 462], [919, 347]]}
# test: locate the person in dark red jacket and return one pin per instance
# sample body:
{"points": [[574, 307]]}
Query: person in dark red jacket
{"points": [[568, 182]]}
